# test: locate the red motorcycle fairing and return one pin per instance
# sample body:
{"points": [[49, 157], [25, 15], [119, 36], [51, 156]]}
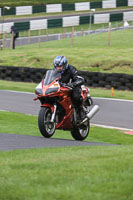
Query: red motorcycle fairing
{"points": [[84, 92], [51, 106], [66, 123]]}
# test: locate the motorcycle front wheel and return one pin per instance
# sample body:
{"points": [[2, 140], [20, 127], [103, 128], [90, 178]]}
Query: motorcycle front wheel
{"points": [[81, 132], [46, 127]]}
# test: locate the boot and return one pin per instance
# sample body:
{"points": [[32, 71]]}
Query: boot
{"points": [[82, 113]]}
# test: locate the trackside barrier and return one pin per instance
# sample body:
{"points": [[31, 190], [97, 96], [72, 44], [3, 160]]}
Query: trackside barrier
{"points": [[44, 24], [93, 79], [58, 8]]}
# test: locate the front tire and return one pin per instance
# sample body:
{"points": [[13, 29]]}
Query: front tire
{"points": [[46, 127], [81, 132]]}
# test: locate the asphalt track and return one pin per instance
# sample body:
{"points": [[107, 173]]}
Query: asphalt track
{"points": [[114, 113], [13, 141]]}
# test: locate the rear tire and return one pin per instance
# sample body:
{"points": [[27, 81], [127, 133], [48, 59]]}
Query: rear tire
{"points": [[81, 132], [46, 127]]}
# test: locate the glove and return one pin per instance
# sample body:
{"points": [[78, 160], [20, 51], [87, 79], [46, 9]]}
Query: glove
{"points": [[70, 85], [62, 84]]}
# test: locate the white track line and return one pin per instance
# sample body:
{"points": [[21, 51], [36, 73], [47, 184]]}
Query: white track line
{"points": [[113, 99], [112, 127], [17, 92], [99, 125]]}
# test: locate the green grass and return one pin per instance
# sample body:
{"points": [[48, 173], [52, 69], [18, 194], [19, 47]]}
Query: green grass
{"points": [[28, 125], [62, 31], [34, 2], [75, 173], [88, 53], [17, 86], [100, 92]]}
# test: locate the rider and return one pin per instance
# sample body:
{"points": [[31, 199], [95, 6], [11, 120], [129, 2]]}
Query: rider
{"points": [[70, 77]]}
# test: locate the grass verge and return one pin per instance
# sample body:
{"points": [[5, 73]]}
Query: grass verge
{"points": [[89, 52], [28, 125], [73, 173], [93, 172], [39, 2]]}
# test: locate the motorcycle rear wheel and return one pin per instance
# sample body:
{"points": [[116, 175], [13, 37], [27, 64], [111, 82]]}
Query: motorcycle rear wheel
{"points": [[46, 127], [81, 132]]}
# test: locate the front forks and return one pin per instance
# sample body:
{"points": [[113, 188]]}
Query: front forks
{"points": [[53, 114]]}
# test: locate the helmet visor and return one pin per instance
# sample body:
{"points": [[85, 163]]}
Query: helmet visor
{"points": [[59, 67]]}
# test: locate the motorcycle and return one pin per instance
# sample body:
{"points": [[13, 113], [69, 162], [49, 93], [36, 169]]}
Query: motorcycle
{"points": [[57, 110]]}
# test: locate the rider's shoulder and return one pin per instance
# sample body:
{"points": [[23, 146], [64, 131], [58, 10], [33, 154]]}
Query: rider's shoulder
{"points": [[71, 68]]}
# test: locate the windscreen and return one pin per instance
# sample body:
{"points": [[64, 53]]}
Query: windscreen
{"points": [[51, 75]]}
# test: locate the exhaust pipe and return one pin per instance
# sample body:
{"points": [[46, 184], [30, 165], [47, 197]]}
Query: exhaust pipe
{"points": [[91, 114]]}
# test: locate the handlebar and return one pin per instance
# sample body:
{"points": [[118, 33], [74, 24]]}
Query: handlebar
{"points": [[65, 85]]}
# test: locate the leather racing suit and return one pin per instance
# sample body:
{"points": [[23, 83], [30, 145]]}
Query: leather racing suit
{"points": [[71, 78]]}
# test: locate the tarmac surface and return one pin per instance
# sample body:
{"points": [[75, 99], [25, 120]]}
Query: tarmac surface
{"points": [[14, 141], [112, 113]]}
